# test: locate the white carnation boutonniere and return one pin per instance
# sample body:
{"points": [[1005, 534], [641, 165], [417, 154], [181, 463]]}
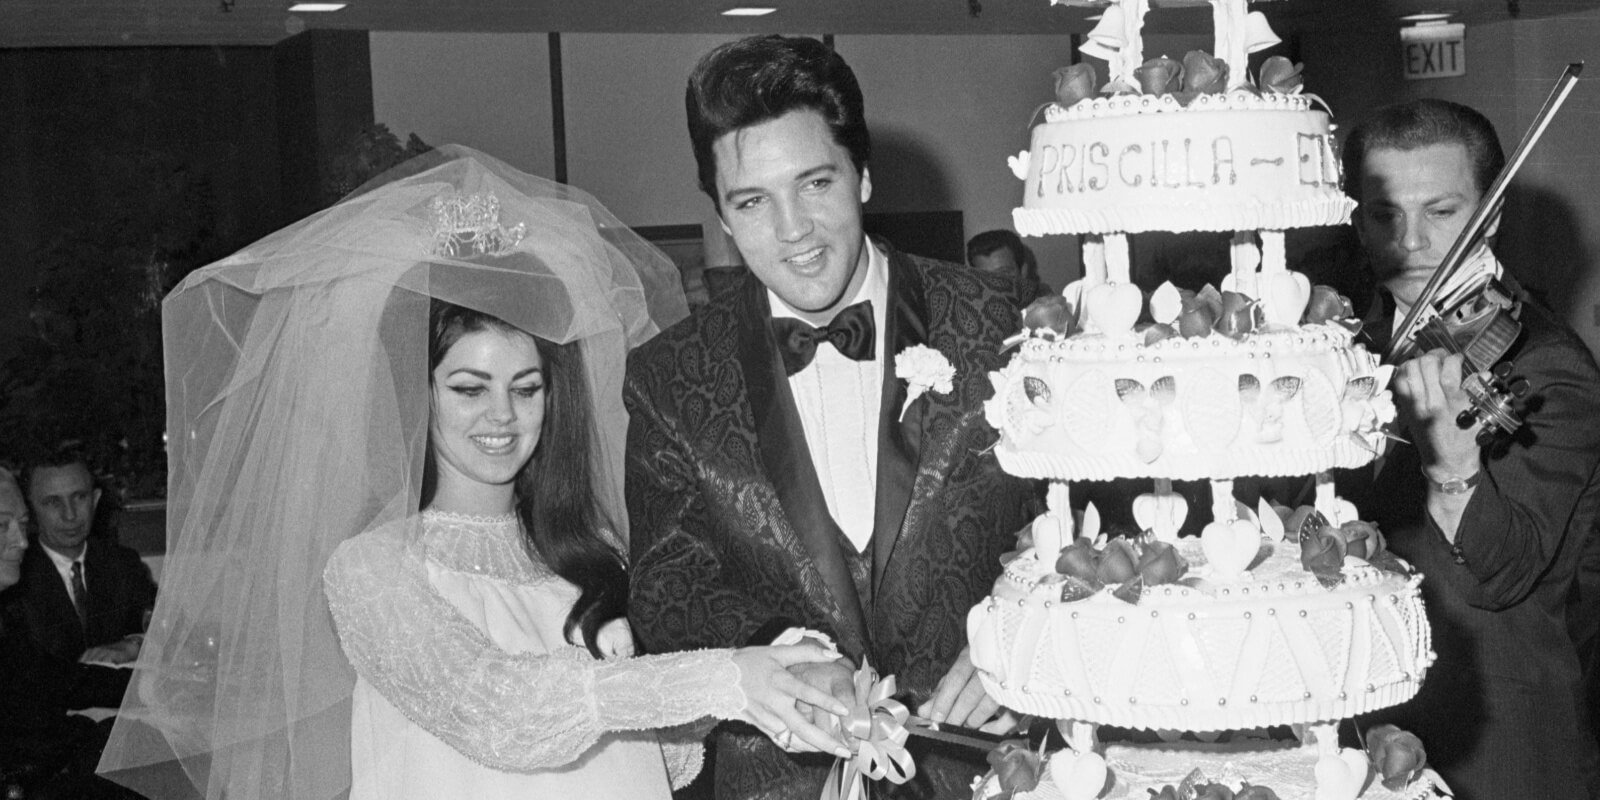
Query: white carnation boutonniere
{"points": [[923, 368]]}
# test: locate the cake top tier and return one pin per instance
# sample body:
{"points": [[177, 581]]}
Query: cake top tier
{"points": [[1237, 32]]}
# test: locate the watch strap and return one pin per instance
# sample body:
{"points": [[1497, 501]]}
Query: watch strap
{"points": [[1455, 485]]}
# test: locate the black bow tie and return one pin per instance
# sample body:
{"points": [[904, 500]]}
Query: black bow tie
{"points": [[851, 333]]}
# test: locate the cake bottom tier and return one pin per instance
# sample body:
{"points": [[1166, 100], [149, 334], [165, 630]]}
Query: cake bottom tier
{"points": [[1140, 770]]}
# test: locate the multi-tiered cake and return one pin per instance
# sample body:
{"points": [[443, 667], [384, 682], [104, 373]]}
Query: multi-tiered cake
{"points": [[1272, 617]]}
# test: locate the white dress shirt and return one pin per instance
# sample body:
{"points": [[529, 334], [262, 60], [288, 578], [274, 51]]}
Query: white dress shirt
{"points": [[838, 400], [64, 567]]}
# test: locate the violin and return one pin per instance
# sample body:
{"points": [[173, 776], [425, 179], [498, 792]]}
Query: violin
{"points": [[1478, 320]]}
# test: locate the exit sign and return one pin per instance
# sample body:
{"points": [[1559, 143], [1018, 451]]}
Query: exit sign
{"points": [[1436, 50]]}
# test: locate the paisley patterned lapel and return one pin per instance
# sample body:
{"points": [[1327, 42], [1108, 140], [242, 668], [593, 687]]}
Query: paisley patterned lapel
{"points": [[937, 430], [899, 437], [787, 460]]}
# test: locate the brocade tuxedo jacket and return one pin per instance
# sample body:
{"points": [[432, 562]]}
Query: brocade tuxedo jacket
{"points": [[120, 591], [731, 538], [1499, 710]]}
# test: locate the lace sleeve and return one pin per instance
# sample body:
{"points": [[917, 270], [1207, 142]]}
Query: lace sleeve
{"points": [[514, 712]]}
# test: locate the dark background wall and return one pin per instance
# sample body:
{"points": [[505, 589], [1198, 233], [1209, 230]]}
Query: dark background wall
{"points": [[193, 151]]}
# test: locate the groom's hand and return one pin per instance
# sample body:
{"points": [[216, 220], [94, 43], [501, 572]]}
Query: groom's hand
{"points": [[833, 677], [961, 700]]}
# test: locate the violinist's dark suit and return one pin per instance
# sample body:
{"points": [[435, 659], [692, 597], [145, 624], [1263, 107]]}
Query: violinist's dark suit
{"points": [[1497, 596]]}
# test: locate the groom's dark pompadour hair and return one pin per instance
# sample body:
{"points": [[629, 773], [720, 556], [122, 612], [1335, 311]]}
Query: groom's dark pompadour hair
{"points": [[761, 78]]}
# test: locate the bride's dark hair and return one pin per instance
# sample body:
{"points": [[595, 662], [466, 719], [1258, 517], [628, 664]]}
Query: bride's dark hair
{"points": [[554, 492]]}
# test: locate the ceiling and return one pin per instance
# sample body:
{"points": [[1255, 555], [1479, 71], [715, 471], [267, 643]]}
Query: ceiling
{"points": [[100, 23]]}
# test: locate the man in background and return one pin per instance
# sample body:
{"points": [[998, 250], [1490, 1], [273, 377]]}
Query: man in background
{"points": [[45, 752], [1002, 252], [1498, 531], [82, 597]]}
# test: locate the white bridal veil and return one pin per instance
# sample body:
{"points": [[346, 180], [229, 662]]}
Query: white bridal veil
{"points": [[297, 408]]}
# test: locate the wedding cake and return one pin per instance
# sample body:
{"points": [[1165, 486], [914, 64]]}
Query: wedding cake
{"points": [[1273, 617]]}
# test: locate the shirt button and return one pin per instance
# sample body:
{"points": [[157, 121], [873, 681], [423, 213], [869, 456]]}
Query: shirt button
{"points": [[1459, 557]]}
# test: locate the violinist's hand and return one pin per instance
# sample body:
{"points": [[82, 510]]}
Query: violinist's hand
{"points": [[1428, 397]]}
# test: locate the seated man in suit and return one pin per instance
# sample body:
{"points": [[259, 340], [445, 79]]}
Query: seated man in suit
{"points": [[82, 597], [44, 752]]}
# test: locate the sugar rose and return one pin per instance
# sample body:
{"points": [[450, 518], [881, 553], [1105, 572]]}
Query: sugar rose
{"points": [[1396, 754], [1322, 551], [1327, 304], [1238, 316], [1248, 792], [1074, 83], [1079, 559], [1016, 765], [1161, 563], [1158, 332], [1049, 313], [1203, 74], [1159, 76], [1281, 75], [1117, 562], [1361, 539]]}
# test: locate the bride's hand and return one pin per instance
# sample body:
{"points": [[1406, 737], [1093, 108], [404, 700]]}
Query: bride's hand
{"points": [[615, 639], [771, 694]]}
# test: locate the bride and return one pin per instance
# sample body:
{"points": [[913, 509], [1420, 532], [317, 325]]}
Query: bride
{"points": [[409, 404]]}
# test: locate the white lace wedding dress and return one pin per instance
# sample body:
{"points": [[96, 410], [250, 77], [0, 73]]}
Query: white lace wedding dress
{"points": [[467, 688]]}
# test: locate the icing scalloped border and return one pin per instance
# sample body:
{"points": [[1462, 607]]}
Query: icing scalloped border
{"points": [[1124, 105], [1193, 215]]}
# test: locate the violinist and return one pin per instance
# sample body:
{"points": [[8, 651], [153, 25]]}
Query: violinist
{"points": [[1497, 529]]}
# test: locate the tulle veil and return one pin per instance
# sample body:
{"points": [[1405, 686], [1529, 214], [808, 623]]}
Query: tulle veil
{"points": [[296, 376]]}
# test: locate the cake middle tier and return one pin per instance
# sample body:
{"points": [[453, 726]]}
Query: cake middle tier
{"points": [[1093, 407], [1137, 163], [1275, 648]]}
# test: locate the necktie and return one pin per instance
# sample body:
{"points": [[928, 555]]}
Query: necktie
{"points": [[80, 594], [851, 333]]}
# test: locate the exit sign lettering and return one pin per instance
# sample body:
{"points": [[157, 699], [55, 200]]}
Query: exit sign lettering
{"points": [[1434, 51]]}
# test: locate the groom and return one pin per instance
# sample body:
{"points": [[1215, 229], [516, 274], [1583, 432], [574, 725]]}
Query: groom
{"points": [[778, 479]]}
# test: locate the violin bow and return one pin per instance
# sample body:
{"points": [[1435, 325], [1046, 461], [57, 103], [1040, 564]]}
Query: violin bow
{"points": [[1404, 345]]}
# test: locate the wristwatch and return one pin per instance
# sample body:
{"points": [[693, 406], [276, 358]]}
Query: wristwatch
{"points": [[1454, 485]]}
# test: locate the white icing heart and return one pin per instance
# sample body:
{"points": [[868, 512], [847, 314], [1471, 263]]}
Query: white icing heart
{"points": [[1162, 513], [1113, 307], [1284, 297], [1166, 303], [1083, 778], [1019, 164], [1342, 776], [1230, 547], [1049, 536]]}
